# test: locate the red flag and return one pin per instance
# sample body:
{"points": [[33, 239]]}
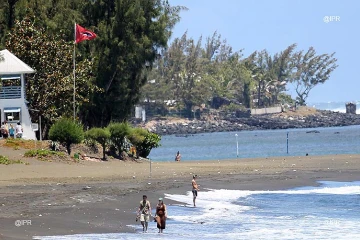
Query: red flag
{"points": [[82, 34]]}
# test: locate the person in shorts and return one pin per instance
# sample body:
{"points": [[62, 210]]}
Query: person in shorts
{"points": [[144, 212], [195, 189]]}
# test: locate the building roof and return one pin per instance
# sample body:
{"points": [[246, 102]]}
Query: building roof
{"points": [[13, 65]]}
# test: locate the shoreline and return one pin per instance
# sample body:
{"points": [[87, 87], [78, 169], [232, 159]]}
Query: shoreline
{"points": [[107, 201], [304, 117]]}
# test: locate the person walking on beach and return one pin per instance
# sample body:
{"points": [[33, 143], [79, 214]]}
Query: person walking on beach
{"points": [[144, 211], [161, 215], [178, 157], [195, 188]]}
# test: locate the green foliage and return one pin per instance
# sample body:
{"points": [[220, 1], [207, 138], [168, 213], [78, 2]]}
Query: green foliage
{"points": [[100, 135], [193, 75], [67, 132], [286, 99], [6, 161], [151, 140], [118, 132], [121, 67], [137, 136], [233, 107], [42, 154], [50, 89], [310, 70], [132, 33]]}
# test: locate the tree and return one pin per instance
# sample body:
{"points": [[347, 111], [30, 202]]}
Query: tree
{"points": [[144, 141], [310, 70], [152, 140], [7, 17], [118, 132], [272, 73], [50, 89], [67, 132], [133, 31], [100, 135], [184, 73], [54, 16]]}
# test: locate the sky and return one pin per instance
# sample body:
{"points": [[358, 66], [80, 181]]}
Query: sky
{"points": [[253, 25]]}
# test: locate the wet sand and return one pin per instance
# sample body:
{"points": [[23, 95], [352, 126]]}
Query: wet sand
{"points": [[90, 197]]}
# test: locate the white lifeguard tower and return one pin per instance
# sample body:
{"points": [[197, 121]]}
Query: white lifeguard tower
{"points": [[13, 107]]}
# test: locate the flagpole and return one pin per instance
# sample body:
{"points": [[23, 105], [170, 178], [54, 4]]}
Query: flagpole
{"points": [[74, 71]]}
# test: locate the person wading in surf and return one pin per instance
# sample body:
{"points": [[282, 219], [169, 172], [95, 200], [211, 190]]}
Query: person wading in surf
{"points": [[144, 211], [161, 215], [195, 189]]}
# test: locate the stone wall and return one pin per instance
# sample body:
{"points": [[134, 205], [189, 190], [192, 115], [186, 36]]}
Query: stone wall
{"points": [[259, 111]]}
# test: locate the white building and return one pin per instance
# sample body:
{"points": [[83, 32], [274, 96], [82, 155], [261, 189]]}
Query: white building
{"points": [[13, 106]]}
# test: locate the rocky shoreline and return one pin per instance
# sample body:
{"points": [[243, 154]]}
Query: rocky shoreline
{"points": [[321, 118]]}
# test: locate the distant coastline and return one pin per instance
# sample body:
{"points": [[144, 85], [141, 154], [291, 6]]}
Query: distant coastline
{"points": [[334, 106], [305, 117]]}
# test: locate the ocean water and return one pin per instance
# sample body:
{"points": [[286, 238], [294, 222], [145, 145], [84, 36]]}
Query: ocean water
{"points": [[334, 106], [259, 143], [330, 211]]}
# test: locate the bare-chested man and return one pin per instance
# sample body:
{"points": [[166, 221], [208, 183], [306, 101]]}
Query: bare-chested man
{"points": [[195, 189], [144, 212]]}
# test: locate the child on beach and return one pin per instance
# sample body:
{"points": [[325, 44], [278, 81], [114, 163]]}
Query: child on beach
{"points": [[12, 131]]}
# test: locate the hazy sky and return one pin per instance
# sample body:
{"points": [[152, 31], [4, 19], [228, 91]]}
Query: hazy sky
{"points": [[276, 24]]}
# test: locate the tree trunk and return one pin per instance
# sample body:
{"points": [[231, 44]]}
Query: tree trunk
{"points": [[68, 148], [258, 103], [188, 106], [104, 147]]}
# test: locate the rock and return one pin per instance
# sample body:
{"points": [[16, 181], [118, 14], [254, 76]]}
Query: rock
{"points": [[231, 122], [313, 131]]}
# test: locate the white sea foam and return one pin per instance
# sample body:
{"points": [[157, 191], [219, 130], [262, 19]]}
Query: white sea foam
{"points": [[213, 203], [302, 213]]}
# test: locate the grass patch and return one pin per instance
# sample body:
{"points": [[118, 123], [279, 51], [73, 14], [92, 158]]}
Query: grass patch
{"points": [[17, 143], [6, 161], [43, 153]]}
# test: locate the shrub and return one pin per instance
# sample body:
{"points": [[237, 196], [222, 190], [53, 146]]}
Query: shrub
{"points": [[136, 137], [42, 153], [118, 132], [7, 161], [91, 144], [67, 132], [99, 135], [144, 141]]}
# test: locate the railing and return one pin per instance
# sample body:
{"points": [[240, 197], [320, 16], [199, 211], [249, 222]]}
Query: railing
{"points": [[12, 92]]}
